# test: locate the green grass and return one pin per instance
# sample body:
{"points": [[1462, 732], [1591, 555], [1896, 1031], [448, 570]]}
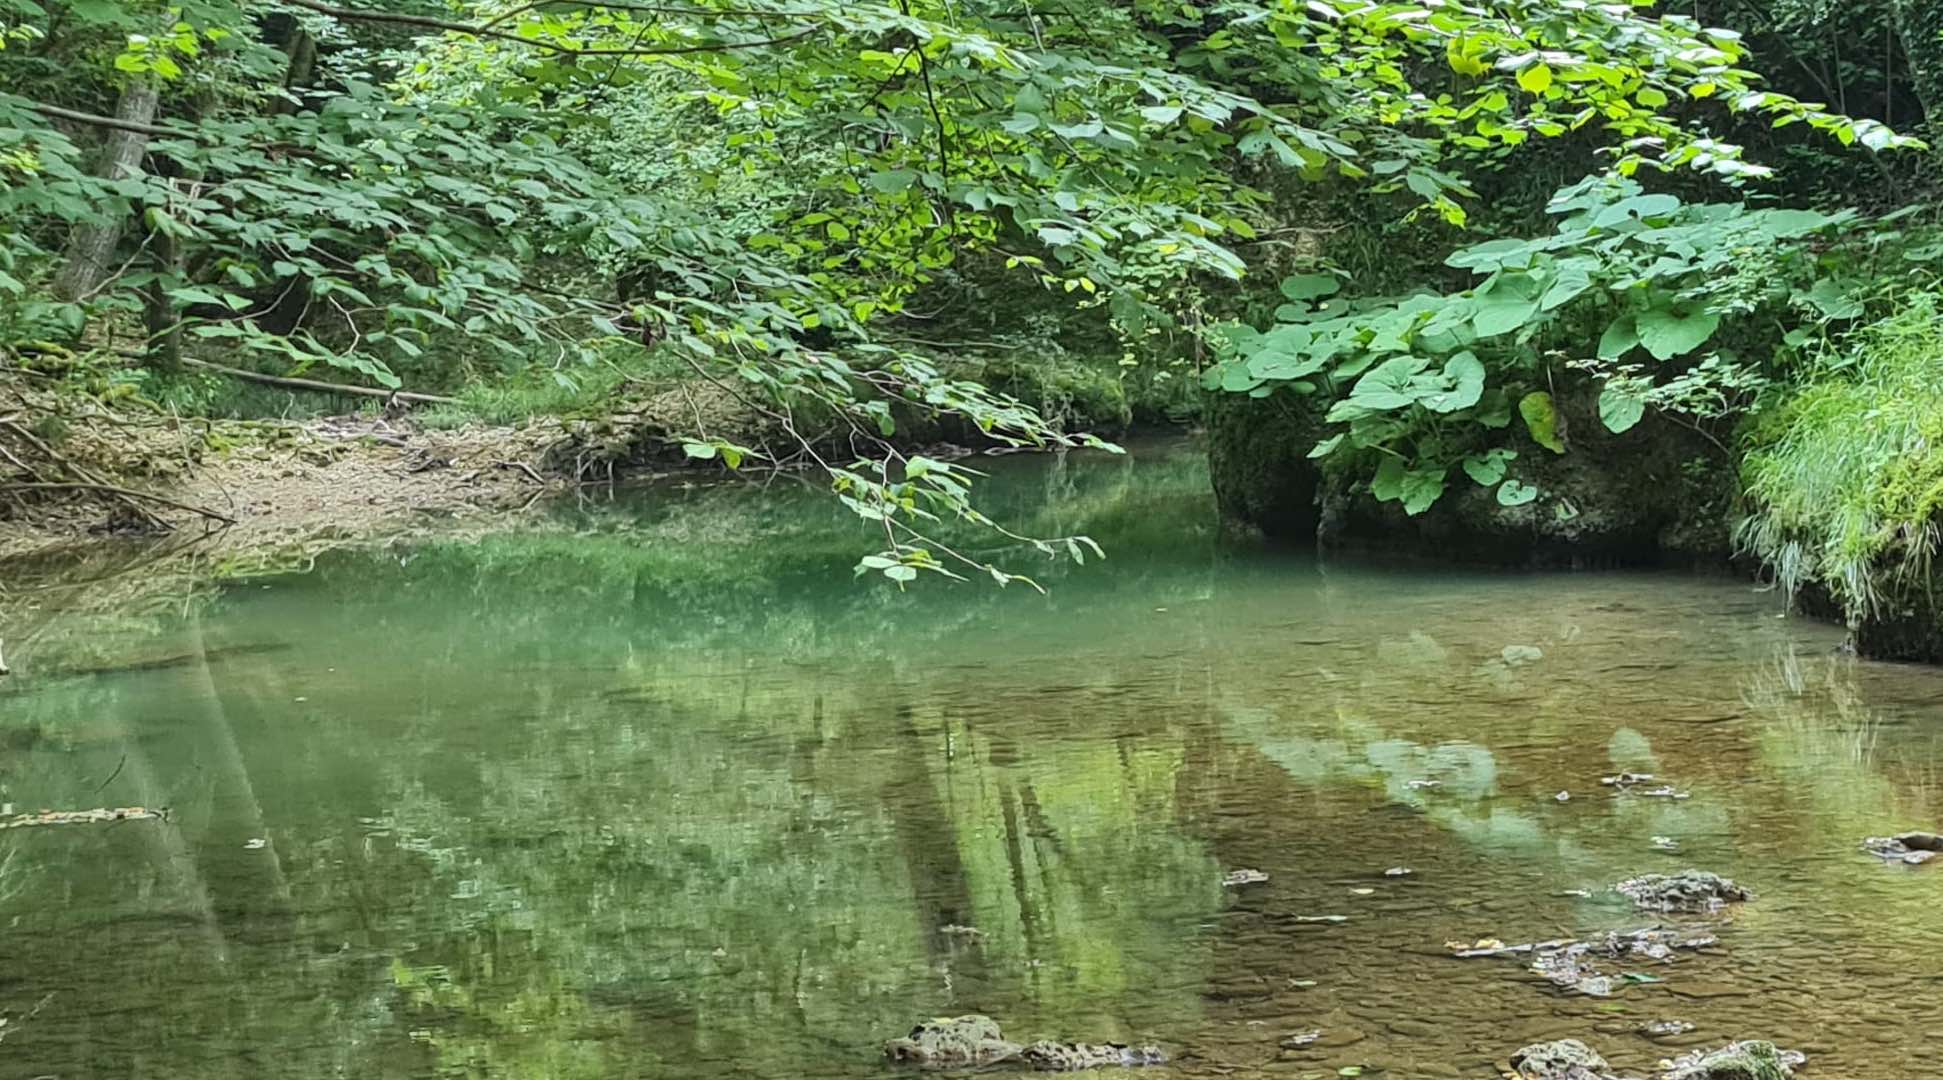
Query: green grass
{"points": [[1846, 476]]}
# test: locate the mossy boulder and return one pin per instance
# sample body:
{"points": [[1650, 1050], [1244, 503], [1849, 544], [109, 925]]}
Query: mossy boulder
{"points": [[1753, 1060], [1564, 1059], [956, 1042], [1258, 459]]}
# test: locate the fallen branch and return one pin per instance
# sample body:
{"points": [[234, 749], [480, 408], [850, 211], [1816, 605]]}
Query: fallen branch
{"points": [[291, 383], [102, 816], [125, 493], [525, 468]]}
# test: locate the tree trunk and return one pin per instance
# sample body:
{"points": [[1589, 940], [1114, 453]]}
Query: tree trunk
{"points": [[303, 60], [164, 324], [1919, 23], [91, 247]]}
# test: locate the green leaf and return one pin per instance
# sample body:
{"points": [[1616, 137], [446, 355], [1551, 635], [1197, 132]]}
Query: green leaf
{"points": [[1326, 446], [700, 451], [1489, 467], [893, 181], [1387, 484], [901, 573], [1571, 281], [1541, 419], [1505, 307], [1536, 79], [1515, 493], [1465, 376], [1667, 333], [1389, 385], [1310, 286], [1619, 338], [1619, 408], [1832, 300]]}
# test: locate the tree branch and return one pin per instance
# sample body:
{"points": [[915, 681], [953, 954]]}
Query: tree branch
{"points": [[98, 120], [432, 23]]}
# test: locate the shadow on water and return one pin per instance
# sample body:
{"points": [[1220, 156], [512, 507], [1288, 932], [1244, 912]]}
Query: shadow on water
{"points": [[662, 790]]}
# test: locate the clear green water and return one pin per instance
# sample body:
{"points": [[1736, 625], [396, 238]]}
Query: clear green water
{"points": [[670, 795]]}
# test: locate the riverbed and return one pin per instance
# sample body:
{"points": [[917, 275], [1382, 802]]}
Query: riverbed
{"points": [[661, 789]]}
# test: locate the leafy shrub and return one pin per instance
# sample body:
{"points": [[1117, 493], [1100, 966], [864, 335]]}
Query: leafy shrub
{"points": [[1846, 476], [1427, 383]]}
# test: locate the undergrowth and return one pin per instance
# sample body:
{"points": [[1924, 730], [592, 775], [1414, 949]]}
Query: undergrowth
{"points": [[1846, 476]]}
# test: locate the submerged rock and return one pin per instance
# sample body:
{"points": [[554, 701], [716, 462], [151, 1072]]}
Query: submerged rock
{"points": [[975, 1041], [1072, 1057], [1913, 848], [952, 1043], [1688, 890], [1565, 1059], [1576, 965], [1753, 1060]]}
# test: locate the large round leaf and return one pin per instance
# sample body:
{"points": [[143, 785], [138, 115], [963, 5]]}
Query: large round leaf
{"points": [[1667, 333]]}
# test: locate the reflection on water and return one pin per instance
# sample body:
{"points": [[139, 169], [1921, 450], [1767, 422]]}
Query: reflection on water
{"points": [[663, 792]]}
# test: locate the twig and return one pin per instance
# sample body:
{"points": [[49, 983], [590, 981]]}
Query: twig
{"points": [[126, 493], [112, 775]]}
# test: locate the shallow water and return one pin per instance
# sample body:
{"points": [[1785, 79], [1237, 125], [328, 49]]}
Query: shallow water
{"points": [[665, 792]]}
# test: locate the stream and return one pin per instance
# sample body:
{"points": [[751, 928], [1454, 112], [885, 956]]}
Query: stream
{"points": [[657, 788]]}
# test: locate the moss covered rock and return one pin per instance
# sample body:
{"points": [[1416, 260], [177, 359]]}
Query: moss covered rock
{"points": [[1258, 458], [1754, 1060]]}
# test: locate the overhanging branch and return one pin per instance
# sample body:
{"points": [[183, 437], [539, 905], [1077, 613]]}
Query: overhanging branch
{"points": [[97, 120], [430, 22]]}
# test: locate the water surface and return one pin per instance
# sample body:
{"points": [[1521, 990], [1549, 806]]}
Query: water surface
{"points": [[662, 791]]}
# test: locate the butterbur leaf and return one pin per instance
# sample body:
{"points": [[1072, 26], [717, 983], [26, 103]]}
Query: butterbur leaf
{"points": [[1390, 385], [1326, 446], [1515, 492], [1619, 408], [1489, 467], [1541, 419], [1619, 338], [1310, 286], [1667, 333], [1464, 375]]}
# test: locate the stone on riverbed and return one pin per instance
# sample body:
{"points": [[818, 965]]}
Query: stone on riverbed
{"points": [[1688, 890], [1566, 1059], [963, 1042], [1753, 1060], [952, 1043], [1913, 848]]}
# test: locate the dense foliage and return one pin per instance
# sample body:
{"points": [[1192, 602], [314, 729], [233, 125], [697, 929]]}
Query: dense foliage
{"points": [[785, 201]]}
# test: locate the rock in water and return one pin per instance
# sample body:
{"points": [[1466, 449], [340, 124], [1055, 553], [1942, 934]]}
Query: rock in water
{"points": [[1688, 890], [1071, 1057], [1752, 1060], [963, 1042], [1566, 1059], [952, 1043]]}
